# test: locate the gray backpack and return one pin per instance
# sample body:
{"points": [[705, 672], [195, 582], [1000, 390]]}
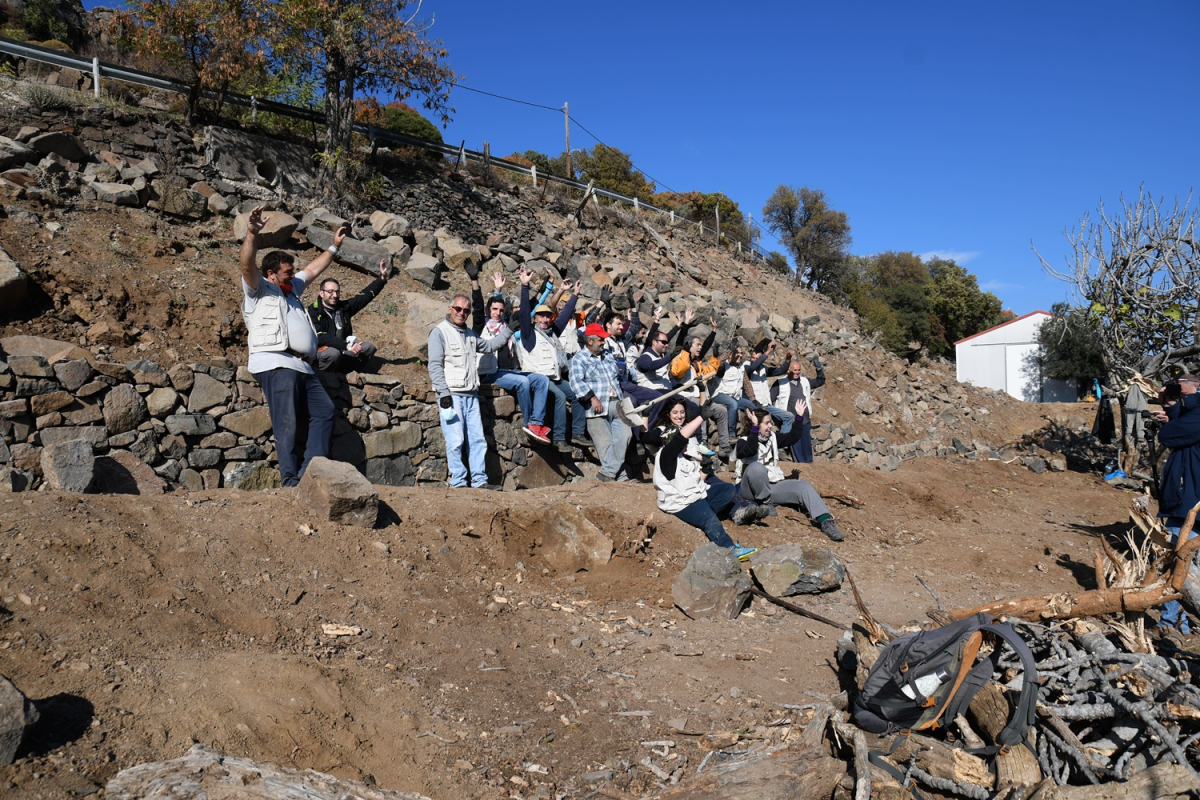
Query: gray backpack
{"points": [[926, 678]]}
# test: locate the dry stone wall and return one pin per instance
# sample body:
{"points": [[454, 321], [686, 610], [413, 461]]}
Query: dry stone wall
{"points": [[75, 422]]}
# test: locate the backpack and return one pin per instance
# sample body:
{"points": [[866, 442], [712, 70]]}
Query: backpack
{"points": [[925, 678]]}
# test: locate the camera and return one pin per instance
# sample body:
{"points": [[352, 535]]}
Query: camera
{"points": [[1171, 391]]}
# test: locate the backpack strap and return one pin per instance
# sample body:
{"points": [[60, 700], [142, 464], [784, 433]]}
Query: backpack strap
{"points": [[1017, 729], [969, 652]]}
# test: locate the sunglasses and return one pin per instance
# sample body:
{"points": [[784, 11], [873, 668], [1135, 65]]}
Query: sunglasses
{"points": [[460, 309]]}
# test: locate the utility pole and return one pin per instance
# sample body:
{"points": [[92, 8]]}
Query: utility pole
{"points": [[567, 125]]}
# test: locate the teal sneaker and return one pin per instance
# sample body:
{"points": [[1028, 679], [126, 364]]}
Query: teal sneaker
{"points": [[743, 553]]}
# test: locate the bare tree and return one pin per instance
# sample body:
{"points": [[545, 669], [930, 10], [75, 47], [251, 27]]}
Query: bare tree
{"points": [[1138, 273]]}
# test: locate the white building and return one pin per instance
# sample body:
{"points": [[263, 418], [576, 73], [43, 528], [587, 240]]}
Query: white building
{"points": [[1005, 357]]}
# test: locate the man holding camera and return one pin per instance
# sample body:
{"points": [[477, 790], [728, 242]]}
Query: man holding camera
{"points": [[1180, 484]]}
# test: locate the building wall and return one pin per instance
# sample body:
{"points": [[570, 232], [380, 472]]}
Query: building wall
{"points": [[1005, 358]]}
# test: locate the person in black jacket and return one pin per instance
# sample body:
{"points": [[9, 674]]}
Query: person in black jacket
{"points": [[338, 349], [1181, 475]]}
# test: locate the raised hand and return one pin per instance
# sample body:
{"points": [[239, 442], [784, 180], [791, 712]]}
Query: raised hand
{"points": [[526, 276], [257, 219], [569, 287], [498, 280], [384, 268], [689, 315], [340, 234], [800, 407]]}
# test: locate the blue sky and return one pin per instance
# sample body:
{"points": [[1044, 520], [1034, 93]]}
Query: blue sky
{"points": [[960, 128]]}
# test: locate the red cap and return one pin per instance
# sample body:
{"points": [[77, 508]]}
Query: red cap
{"points": [[595, 329]]}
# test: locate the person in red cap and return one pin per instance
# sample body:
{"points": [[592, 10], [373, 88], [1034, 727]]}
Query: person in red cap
{"points": [[596, 381]]}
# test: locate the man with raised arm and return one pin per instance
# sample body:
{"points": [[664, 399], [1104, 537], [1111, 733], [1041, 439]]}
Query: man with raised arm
{"points": [[338, 349], [282, 342]]}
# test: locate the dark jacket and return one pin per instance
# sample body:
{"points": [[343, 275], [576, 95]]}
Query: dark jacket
{"points": [[1181, 474], [333, 327]]}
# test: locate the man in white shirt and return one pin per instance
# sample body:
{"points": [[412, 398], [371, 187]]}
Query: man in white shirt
{"points": [[282, 342]]}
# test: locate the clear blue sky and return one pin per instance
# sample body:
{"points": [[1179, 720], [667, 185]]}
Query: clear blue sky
{"points": [[968, 129], [965, 129]]}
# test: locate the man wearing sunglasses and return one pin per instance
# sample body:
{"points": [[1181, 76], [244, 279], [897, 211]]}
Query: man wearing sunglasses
{"points": [[454, 373]]}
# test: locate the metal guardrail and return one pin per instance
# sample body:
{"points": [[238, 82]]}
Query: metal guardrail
{"points": [[99, 70]]}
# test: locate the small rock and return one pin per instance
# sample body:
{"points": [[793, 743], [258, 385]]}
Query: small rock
{"points": [[336, 491]]}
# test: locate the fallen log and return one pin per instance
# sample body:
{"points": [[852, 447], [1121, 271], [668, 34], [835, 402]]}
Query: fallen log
{"points": [[989, 712], [1159, 782]]}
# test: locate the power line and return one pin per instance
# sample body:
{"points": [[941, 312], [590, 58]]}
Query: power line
{"points": [[509, 99], [628, 160]]}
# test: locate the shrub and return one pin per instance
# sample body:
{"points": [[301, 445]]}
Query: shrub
{"points": [[55, 44], [42, 21], [43, 98]]}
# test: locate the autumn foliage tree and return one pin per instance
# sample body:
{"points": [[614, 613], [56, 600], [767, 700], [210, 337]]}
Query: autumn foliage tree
{"points": [[356, 47], [210, 44]]}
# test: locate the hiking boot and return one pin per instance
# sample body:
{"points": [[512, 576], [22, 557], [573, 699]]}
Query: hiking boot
{"points": [[564, 448], [772, 509], [830, 529], [491, 487], [605, 478], [706, 451], [743, 553], [747, 514], [538, 433]]}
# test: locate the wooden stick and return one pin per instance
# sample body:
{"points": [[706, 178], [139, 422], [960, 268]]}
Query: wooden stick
{"points": [[798, 610]]}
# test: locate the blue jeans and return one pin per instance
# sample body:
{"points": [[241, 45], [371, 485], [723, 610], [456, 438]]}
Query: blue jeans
{"points": [[703, 514], [611, 435], [782, 418], [734, 406], [562, 394], [301, 419], [467, 426], [529, 387], [1173, 614]]}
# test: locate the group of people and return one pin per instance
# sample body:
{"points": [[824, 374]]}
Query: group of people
{"points": [[570, 374]]}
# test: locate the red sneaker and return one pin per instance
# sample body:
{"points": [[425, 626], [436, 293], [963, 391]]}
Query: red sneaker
{"points": [[539, 433]]}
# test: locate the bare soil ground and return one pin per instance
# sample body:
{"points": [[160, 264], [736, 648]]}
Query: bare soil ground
{"points": [[144, 624]]}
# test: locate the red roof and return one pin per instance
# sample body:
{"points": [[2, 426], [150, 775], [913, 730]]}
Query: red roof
{"points": [[1002, 324]]}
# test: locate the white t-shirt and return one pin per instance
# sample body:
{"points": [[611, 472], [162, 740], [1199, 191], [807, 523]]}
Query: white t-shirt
{"points": [[301, 336]]}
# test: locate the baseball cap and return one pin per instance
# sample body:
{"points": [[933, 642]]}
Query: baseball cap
{"points": [[595, 329]]}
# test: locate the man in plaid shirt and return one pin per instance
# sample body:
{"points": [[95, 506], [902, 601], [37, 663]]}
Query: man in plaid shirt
{"points": [[595, 380]]}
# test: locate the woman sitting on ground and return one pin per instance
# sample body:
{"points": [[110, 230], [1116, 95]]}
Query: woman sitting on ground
{"points": [[683, 489], [760, 478]]}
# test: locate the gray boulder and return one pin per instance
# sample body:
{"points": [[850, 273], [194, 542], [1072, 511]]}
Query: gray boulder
{"points": [[62, 143], [14, 154], [206, 393], [366, 255], [712, 584], [17, 713], [119, 194], [571, 542], [384, 225], [251, 476], [334, 490], [14, 283], [69, 467], [191, 424], [792, 569], [423, 268], [277, 228], [124, 409]]}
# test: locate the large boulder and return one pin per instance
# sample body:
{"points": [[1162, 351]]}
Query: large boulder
{"points": [[14, 154], [544, 469], [14, 283], [384, 225], [365, 255], [712, 584], [455, 254], [791, 569], [62, 143], [121, 472], [17, 713], [52, 350], [251, 476], [403, 437], [261, 160], [420, 314], [206, 393], [205, 772], [571, 542], [423, 268], [191, 424], [124, 409], [277, 228], [70, 466], [172, 195], [119, 194], [252, 422], [334, 490]]}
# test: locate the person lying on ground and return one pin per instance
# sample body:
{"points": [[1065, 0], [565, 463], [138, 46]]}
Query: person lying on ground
{"points": [[761, 480]]}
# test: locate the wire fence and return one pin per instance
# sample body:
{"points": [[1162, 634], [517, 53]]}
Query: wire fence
{"points": [[100, 70]]}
